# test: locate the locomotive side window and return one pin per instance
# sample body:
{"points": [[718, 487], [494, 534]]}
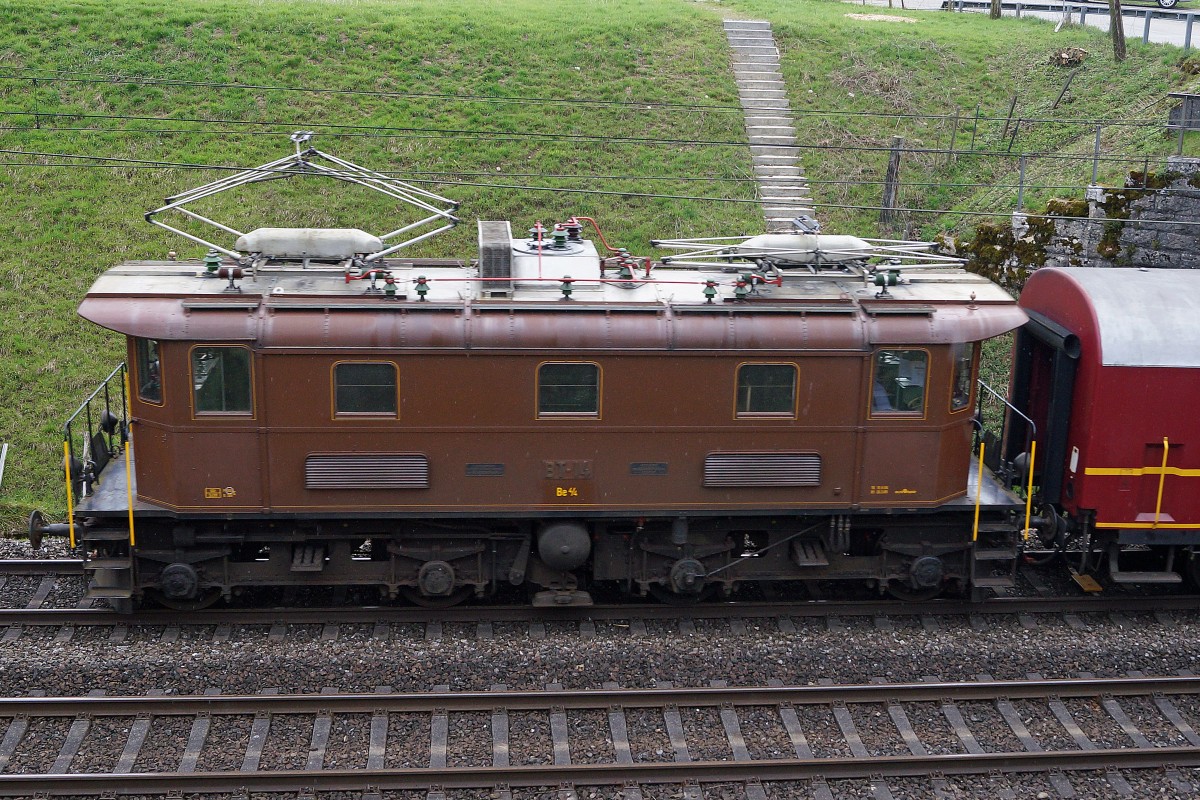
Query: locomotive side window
{"points": [[899, 385], [365, 388], [568, 389], [149, 373], [961, 383], [221, 380], [766, 389]]}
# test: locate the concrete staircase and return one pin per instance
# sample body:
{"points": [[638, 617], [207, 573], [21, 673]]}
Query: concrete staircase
{"points": [[781, 185]]}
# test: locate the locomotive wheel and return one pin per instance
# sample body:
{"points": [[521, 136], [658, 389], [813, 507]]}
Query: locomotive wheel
{"points": [[204, 599], [902, 590], [414, 596]]}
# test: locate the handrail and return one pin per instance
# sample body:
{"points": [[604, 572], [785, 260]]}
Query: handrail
{"points": [[1010, 406], [103, 385], [112, 424]]}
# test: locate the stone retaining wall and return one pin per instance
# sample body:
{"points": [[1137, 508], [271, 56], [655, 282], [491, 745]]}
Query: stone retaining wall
{"points": [[1108, 228]]}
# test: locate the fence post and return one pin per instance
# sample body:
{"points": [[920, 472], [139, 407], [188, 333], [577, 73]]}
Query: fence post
{"points": [[975, 127], [891, 181], [1146, 29], [1187, 33], [1096, 156], [953, 137], [1008, 120], [1021, 184]]}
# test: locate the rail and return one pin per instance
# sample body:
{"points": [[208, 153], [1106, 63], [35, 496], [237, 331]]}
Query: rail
{"points": [[1043, 704], [638, 613]]}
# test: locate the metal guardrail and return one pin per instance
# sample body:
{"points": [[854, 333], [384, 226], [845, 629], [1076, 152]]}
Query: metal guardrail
{"points": [[1149, 13], [96, 431]]}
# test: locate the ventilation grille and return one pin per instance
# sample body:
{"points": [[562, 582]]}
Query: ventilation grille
{"points": [[495, 256], [367, 471], [762, 469]]}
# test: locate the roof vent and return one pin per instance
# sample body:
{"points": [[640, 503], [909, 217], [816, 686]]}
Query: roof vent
{"points": [[495, 257]]}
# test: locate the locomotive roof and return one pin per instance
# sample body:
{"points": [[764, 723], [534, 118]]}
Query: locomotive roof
{"points": [[295, 307], [1143, 317]]}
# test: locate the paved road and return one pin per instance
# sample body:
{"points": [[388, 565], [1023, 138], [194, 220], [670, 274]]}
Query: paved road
{"points": [[1165, 27]]}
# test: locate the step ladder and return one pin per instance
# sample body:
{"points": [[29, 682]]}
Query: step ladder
{"points": [[995, 556]]}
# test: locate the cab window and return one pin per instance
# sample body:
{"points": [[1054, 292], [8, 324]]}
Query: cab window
{"points": [[148, 372], [221, 380], [961, 383], [568, 389], [899, 382], [365, 388], [766, 389]]}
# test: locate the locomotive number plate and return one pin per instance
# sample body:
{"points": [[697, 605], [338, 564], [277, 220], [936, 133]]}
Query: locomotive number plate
{"points": [[579, 469], [568, 481]]}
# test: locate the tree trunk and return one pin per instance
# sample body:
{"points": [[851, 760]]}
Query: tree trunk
{"points": [[994, 11], [1118, 29]]}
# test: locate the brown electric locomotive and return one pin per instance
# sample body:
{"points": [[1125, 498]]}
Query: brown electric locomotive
{"points": [[310, 409]]}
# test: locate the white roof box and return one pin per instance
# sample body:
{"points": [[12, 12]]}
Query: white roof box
{"points": [[332, 244]]}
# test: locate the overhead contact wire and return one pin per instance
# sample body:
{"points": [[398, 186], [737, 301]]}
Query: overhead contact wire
{"points": [[68, 76]]}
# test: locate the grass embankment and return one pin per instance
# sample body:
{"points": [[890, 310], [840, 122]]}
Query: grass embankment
{"points": [[945, 64], [66, 224]]}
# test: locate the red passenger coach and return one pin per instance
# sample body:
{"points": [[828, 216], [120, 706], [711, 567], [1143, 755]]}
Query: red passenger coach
{"points": [[1109, 367]]}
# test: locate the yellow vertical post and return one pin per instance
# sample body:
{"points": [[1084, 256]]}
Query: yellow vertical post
{"points": [[1029, 489], [128, 470], [70, 495], [1162, 477], [978, 492]]}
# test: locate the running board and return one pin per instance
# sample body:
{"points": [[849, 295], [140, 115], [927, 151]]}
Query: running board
{"points": [[1144, 577], [1158, 576]]}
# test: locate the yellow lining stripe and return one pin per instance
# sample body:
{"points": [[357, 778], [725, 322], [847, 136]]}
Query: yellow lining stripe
{"points": [[1190, 526], [1134, 472]]}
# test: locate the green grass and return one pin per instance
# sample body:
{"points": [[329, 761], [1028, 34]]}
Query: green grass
{"points": [[966, 64], [63, 226]]}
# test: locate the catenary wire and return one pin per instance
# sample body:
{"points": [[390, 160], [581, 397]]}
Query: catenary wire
{"points": [[652, 196], [100, 78], [120, 161], [404, 175], [436, 133]]}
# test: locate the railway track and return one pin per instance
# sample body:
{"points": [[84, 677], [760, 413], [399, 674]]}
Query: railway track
{"points": [[53, 598], [633, 617], [501, 740]]}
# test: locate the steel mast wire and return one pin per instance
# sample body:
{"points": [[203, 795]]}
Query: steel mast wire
{"points": [[425, 175], [617, 193], [101, 78], [374, 132]]}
